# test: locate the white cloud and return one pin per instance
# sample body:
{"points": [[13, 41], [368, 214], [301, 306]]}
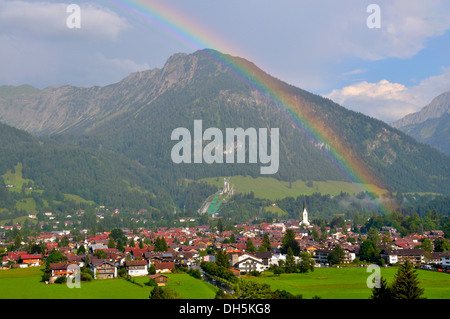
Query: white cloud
{"points": [[406, 25], [122, 65], [391, 101], [48, 19]]}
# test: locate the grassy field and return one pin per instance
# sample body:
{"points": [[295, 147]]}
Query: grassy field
{"points": [[350, 283], [327, 283], [270, 188], [25, 284]]}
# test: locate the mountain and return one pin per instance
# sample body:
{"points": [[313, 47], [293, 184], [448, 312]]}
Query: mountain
{"points": [[133, 119], [431, 124], [101, 176]]}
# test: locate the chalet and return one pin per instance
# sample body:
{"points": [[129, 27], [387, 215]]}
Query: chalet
{"points": [[276, 258], [33, 260], [62, 269], [164, 267], [136, 267], [249, 263], [103, 268], [160, 279], [265, 256], [10, 259], [158, 257], [138, 253], [80, 260]]}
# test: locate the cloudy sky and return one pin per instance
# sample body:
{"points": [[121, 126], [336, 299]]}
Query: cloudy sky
{"points": [[385, 63]]}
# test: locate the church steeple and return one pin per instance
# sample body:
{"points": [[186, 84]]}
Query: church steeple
{"points": [[304, 214]]}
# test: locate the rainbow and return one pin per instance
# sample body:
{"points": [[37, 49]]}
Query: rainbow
{"points": [[157, 14]]}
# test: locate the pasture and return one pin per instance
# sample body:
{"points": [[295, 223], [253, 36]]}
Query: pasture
{"points": [[327, 283]]}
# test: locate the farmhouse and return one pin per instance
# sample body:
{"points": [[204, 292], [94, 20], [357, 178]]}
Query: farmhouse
{"points": [[103, 269], [164, 267], [33, 260], [136, 267], [247, 262], [62, 269]]}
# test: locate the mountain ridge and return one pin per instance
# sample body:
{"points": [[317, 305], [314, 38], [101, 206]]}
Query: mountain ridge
{"points": [[431, 124], [135, 116]]}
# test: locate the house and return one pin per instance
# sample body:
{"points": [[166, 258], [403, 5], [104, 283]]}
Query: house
{"points": [[434, 258], [164, 267], [276, 258], [265, 256], [103, 268], [136, 267], [33, 260], [321, 255], [161, 280], [446, 260], [62, 269], [248, 262], [392, 256]]}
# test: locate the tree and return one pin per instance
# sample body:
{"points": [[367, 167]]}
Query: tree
{"points": [[81, 250], [220, 225], [290, 261], [406, 284], [289, 241], [384, 292], [315, 235], [222, 259], [426, 245], [249, 289], [265, 244], [373, 235], [64, 242], [111, 243], [120, 247], [160, 244], [163, 293], [250, 246], [368, 251], [117, 234], [441, 245], [337, 256], [100, 254], [55, 257], [152, 269], [306, 263]]}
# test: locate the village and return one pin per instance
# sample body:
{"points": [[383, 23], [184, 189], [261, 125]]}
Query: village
{"points": [[153, 253]]}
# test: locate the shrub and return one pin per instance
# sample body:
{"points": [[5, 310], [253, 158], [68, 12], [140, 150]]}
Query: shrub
{"points": [[61, 280]]}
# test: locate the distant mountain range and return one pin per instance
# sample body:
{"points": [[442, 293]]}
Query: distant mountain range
{"points": [[431, 125], [123, 130]]}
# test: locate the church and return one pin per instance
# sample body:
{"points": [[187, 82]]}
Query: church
{"points": [[304, 220]]}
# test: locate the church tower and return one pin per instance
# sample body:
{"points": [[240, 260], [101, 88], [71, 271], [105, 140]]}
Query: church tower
{"points": [[304, 215]]}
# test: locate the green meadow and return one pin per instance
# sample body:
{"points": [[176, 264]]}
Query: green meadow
{"points": [[273, 189], [25, 284], [350, 282], [327, 283]]}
